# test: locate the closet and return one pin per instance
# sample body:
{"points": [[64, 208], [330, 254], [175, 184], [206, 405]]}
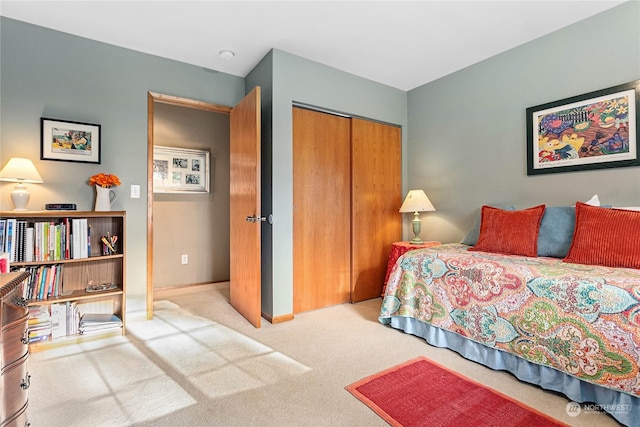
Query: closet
{"points": [[346, 196]]}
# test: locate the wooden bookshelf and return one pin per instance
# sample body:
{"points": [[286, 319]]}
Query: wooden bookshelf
{"points": [[78, 274]]}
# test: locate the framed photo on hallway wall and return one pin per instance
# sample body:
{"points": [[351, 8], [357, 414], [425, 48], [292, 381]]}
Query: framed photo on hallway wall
{"points": [[180, 170], [596, 130]]}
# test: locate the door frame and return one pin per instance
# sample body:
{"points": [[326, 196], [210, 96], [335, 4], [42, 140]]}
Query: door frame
{"points": [[153, 98]]}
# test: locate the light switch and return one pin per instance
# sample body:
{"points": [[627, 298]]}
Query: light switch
{"points": [[135, 191]]}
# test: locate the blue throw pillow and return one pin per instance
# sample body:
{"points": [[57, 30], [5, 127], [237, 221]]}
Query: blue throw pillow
{"points": [[556, 231], [472, 236]]}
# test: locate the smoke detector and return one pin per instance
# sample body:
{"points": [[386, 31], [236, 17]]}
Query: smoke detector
{"points": [[226, 54]]}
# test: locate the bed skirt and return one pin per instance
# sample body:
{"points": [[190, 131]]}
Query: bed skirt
{"points": [[623, 407]]}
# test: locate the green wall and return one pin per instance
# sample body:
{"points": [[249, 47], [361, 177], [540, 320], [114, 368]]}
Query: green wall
{"points": [[262, 75], [53, 74], [287, 79], [299, 80], [45, 73], [467, 134]]}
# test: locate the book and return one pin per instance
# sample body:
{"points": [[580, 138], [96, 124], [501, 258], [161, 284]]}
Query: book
{"points": [[91, 323], [67, 238], [58, 284], [35, 337], [37, 241], [27, 291], [10, 239], [75, 238], [57, 256], [3, 230], [39, 323], [58, 320], [84, 238], [21, 240], [44, 283], [45, 241], [17, 241], [100, 306], [73, 317], [5, 264], [34, 286], [52, 241], [88, 240], [38, 316], [51, 281], [29, 245], [99, 318]]}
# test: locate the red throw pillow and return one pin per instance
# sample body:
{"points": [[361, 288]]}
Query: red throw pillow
{"points": [[510, 232], [602, 236]]}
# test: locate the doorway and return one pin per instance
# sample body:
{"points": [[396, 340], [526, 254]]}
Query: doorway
{"points": [[157, 101], [244, 199]]}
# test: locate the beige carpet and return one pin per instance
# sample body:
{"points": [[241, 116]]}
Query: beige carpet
{"points": [[199, 363]]}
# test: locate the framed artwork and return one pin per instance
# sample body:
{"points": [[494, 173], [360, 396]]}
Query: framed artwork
{"points": [[69, 141], [596, 130], [180, 170]]}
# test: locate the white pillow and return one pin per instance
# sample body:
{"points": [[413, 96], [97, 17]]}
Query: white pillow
{"points": [[594, 201], [629, 208]]}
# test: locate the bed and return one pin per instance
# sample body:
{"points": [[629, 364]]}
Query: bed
{"points": [[568, 321]]}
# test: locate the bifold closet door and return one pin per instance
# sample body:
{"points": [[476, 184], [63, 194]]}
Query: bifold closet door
{"points": [[321, 210], [376, 189]]}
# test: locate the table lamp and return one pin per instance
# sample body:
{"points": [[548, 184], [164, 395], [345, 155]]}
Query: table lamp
{"points": [[416, 202], [21, 171]]}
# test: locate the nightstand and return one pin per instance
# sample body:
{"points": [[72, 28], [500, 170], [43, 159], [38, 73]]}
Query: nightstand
{"points": [[399, 248]]}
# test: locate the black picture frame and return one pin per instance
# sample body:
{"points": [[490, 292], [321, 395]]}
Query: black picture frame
{"points": [[596, 130], [69, 141]]}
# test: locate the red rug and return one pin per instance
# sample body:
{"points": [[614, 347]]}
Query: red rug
{"points": [[422, 393]]}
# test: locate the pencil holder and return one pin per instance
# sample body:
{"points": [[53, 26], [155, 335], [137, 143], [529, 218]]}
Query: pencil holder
{"points": [[109, 246]]}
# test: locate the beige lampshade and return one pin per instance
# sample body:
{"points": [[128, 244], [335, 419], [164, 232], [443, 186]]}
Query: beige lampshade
{"points": [[416, 201], [19, 169]]}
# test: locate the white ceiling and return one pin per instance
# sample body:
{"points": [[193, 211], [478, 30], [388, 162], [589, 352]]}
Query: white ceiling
{"points": [[403, 44]]}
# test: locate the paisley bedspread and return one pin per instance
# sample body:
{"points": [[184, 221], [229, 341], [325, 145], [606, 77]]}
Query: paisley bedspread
{"points": [[582, 320]]}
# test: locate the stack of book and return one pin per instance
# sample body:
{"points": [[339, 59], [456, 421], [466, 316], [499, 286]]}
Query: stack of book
{"points": [[44, 282], [25, 241], [39, 327], [91, 323]]}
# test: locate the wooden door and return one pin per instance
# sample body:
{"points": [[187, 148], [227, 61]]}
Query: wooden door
{"points": [[321, 210], [376, 189], [245, 237]]}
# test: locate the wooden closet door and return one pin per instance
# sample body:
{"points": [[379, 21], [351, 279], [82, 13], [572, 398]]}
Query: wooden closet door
{"points": [[376, 164], [321, 210]]}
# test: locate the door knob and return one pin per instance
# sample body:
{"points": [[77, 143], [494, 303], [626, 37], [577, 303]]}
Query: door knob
{"points": [[256, 219]]}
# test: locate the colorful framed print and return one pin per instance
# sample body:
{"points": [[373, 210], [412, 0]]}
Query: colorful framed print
{"points": [[180, 170], [70, 141], [596, 130]]}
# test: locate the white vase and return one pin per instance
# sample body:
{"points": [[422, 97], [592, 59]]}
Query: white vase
{"points": [[104, 198]]}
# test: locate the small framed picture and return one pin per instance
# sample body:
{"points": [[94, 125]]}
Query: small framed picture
{"points": [[69, 141], [180, 170]]}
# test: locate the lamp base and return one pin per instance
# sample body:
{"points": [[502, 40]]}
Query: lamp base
{"points": [[20, 197], [417, 225]]}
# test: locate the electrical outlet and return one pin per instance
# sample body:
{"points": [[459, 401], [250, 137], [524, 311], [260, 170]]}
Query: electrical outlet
{"points": [[135, 191], [185, 259]]}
